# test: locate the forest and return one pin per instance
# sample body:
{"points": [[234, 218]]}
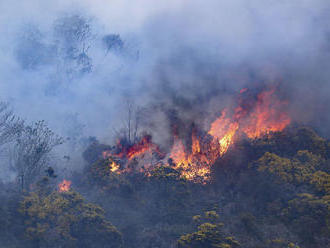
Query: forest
{"points": [[272, 190], [178, 124]]}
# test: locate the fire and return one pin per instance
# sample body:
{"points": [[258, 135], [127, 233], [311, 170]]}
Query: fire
{"points": [[143, 146], [64, 186], [178, 153], [223, 130], [266, 118], [191, 165], [254, 118], [114, 167], [127, 153], [195, 146]]}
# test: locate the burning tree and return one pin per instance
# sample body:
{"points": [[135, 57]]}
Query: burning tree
{"points": [[254, 117]]}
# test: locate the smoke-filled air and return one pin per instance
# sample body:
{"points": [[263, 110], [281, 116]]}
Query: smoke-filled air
{"points": [[164, 124]]}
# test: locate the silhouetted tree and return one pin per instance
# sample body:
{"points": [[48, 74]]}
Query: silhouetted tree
{"points": [[10, 125], [30, 152]]}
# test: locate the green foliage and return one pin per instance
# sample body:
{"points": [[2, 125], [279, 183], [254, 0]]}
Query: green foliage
{"points": [[100, 174], [65, 219], [306, 207], [165, 173], [211, 216], [297, 170], [309, 215], [250, 224], [321, 180], [208, 235], [287, 143], [280, 243], [170, 193]]}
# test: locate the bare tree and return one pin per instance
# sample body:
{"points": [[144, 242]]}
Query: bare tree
{"points": [[131, 124], [30, 152], [10, 125], [73, 36]]}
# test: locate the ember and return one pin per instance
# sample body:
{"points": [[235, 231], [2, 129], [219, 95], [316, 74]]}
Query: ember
{"points": [[114, 166], [64, 186]]}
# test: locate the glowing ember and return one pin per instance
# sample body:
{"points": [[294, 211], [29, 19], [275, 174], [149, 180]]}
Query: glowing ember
{"points": [[114, 167], [127, 153], [64, 186], [253, 118]]}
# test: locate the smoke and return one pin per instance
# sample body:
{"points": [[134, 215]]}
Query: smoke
{"points": [[189, 57]]}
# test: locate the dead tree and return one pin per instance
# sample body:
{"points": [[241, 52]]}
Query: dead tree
{"points": [[10, 125], [73, 36], [131, 122], [30, 152]]}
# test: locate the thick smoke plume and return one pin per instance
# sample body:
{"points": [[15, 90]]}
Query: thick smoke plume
{"points": [[77, 64]]}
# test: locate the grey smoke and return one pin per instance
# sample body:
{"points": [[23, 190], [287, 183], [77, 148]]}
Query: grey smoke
{"points": [[191, 56]]}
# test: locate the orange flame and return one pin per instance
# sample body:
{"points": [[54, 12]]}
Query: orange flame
{"points": [[129, 152], [264, 117], [114, 167], [178, 153], [64, 186], [191, 165], [195, 144], [223, 130], [140, 148]]}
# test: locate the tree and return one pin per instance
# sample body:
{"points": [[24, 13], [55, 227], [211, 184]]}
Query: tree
{"points": [[131, 124], [209, 235], [280, 243], [309, 216], [30, 152], [32, 51], [10, 125], [65, 220], [112, 42], [73, 36], [298, 169]]}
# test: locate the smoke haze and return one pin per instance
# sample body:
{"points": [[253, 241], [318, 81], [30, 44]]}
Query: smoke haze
{"points": [[191, 56]]}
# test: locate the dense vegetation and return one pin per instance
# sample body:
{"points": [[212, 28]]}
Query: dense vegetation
{"points": [[270, 192]]}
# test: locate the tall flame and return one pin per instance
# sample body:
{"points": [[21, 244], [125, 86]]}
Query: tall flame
{"points": [[191, 165], [255, 119], [266, 117], [223, 130]]}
